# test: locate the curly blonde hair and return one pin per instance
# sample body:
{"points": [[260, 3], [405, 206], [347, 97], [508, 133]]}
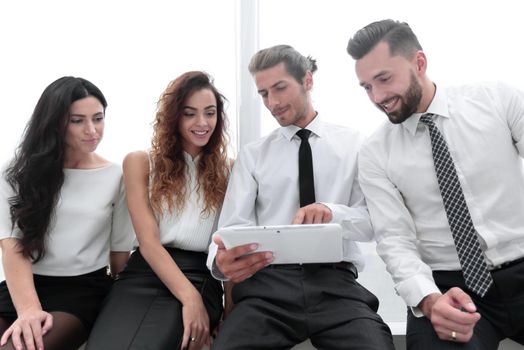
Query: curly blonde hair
{"points": [[169, 175]]}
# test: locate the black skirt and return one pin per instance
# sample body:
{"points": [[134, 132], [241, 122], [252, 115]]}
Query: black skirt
{"points": [[81, 296], [141, 313]]}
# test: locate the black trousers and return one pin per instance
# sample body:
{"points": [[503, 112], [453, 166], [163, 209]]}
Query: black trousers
{"points": [[278, 308], [502, 311], [141, 313]]}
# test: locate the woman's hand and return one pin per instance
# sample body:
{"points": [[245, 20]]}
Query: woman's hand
{"points": [[31, 325], [196, 323]]}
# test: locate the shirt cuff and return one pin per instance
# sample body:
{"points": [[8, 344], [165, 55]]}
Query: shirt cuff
{"points": [[414, 289], [217, 274], [334, 216], [416, 311]]}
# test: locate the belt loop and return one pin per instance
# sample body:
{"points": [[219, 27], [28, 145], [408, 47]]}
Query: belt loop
{"points": [[346, 265]]}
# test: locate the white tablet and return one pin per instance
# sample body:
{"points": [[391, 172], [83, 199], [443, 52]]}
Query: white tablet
{"points": [[290, 244]]}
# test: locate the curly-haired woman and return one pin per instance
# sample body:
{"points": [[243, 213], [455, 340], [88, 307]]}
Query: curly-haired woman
{"points": [[166, 298]]}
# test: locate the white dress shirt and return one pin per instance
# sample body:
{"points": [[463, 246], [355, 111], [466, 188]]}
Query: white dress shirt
{"points": [[484, 128], [263, 188], [189, 229], [91, 219]]}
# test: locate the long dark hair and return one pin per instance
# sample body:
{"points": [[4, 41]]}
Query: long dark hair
{"points": [[36, 170]]}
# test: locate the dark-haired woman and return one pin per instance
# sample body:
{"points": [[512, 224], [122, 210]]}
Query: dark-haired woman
{"points": [[63, 219], [166, 298]]}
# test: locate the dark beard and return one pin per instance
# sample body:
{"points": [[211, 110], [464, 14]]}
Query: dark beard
{"points": [[409, 102]]}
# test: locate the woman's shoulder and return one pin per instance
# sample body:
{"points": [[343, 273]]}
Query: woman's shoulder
{"points": [[136, 160], [137, 157]]}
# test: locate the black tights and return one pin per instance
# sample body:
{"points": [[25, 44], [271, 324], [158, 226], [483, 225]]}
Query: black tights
{"points": [[67, 333]]}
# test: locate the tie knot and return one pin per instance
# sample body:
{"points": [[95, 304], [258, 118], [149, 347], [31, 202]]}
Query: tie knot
{"points": [[427, 119], [304, 134]]}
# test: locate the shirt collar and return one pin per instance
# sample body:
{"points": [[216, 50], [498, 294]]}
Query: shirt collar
{"points": [[189, 159], [315, 126], [439, 106]]}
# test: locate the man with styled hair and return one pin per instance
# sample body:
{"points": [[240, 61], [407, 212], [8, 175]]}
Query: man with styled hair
{"points": [[448, 226], [278, 306]]}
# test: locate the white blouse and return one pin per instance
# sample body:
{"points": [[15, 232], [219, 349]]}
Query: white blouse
{"points": [[91, 219], [189, 229]]}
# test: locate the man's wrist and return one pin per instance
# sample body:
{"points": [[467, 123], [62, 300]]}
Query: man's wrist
{"points": [[426, 304]]}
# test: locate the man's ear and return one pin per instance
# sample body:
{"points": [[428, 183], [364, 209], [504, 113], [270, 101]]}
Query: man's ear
{"points": [[308, 80], [421, 62]]}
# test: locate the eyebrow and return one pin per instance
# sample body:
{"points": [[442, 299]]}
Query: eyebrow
{"points": [[272, 86], [376, 76], [83, 115], [194, 109]]}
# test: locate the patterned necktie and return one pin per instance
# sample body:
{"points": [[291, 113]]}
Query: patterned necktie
{"points": [[471, 257], [305, 169]]}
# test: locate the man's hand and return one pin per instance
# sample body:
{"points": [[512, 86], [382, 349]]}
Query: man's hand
{"points": [[315, 213], [452, 314], [240, 262]]}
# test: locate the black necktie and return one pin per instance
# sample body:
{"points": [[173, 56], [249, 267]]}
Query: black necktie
{"points": [[305, 169], [471, 257]]}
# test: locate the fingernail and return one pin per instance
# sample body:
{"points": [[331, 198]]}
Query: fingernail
{"points": [[253, 246]]}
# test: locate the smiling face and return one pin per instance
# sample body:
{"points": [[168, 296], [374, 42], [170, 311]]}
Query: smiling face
{"points": [[85, 126], [393, 83], [198, 121], [286, 99]]}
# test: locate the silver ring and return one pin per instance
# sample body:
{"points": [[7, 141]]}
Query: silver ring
{"points": [[453, 335], [194, 340]]}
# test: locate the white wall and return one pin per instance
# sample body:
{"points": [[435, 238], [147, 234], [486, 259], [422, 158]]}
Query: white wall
{"points": [[129, 49]]}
